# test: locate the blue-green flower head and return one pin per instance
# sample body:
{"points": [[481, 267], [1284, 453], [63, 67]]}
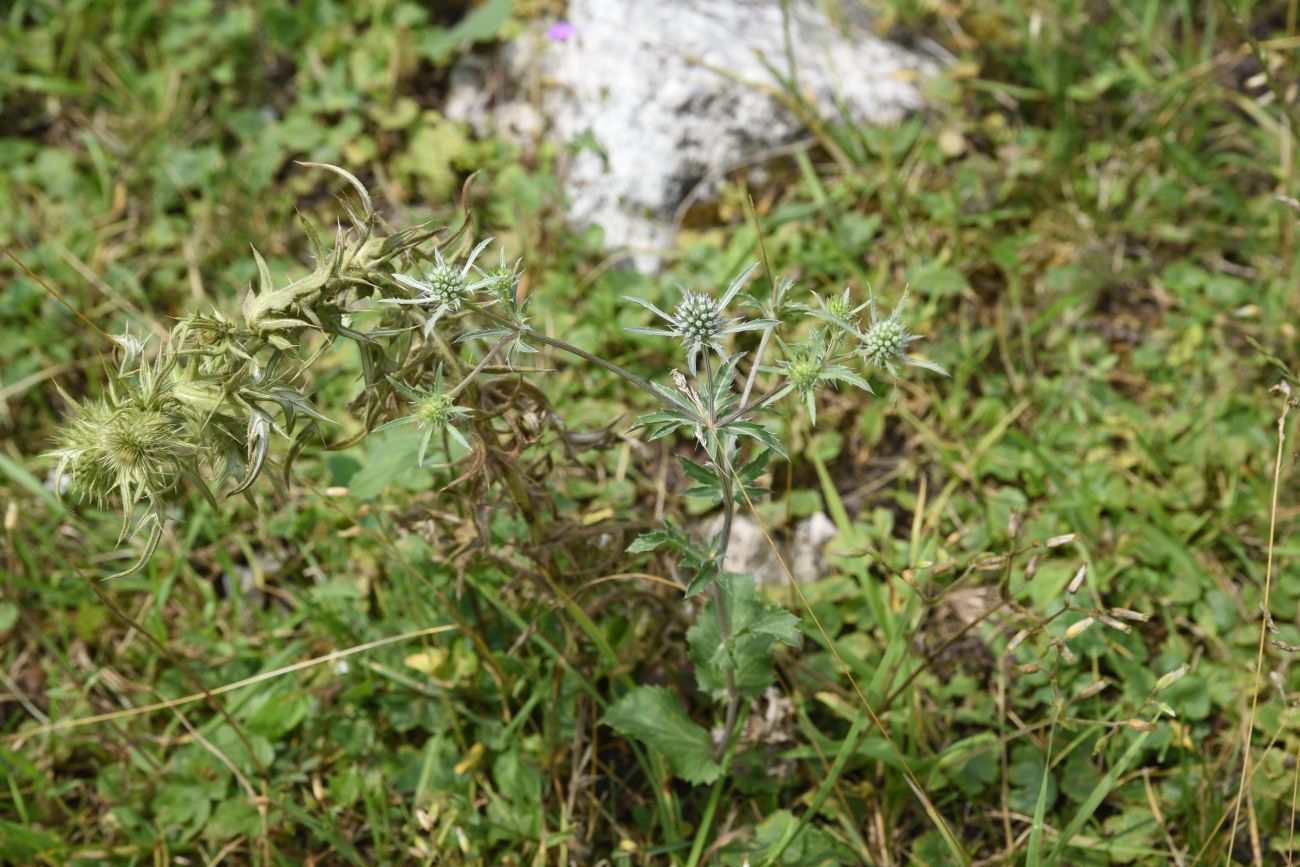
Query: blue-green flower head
{"points": [[884, 343], [699, 321], [443, 289]]}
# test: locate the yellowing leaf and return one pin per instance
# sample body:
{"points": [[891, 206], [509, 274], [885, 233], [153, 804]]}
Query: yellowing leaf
{"points": [[427, 661]]}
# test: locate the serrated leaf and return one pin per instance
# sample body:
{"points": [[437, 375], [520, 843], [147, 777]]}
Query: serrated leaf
{"points": [[754, 627], [780, 624], [701, 582], [760, 433], [652, 715]]}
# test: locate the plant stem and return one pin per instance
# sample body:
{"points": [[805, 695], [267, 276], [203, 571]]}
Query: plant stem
{"points": [[478, 368], [724, 541], [758, 359], [524, 331], [715, 797]]}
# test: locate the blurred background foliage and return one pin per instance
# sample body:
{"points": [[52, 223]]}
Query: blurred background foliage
{"points": [[1088, 217]]}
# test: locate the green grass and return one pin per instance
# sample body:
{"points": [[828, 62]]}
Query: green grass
{"points": [[1088, 220]]}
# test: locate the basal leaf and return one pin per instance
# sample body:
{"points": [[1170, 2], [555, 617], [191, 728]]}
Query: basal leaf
{"points": [[652, 715]]}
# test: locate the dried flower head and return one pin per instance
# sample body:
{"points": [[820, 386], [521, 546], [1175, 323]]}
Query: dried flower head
{"points": [[699, 322]]}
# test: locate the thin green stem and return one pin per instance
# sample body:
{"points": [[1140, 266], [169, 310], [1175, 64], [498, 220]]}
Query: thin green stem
{"points": [[524, 331], [756, 403], [715, 796], [478, 368], [724, 541]]}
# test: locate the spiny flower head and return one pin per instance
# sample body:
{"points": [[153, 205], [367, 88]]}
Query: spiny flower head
{"points": [[503, 280], [805, 372], [130, 449], [445, 285], [808, 365], [838, 310], [885, 341], [435, 411], [444, 288], [698, 320]]}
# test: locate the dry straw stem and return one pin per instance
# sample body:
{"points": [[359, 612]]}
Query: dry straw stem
{"points": [[1284, 390], [332, 656], [53, 293]]}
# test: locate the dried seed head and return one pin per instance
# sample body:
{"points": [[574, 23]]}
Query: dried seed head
{"points": [[1140, 725], [1130, 614], [1026, 668], [1017, 640], [1078, 628], [1058, 541], [1077, 581]]}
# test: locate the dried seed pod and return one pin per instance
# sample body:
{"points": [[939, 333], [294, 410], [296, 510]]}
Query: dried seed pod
{"points": [[1092, 689], [1169, 679], [1130, 614], [1058, 541], [1114, 624], [1017, 639], [1077, 581], [1077, 629]]}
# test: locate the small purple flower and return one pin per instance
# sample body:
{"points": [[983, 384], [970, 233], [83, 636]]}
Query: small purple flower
{"points": [[561, 31]]}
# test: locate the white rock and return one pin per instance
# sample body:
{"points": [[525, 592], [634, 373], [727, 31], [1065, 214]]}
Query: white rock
{"points": [[673, 94], [749, 550]]}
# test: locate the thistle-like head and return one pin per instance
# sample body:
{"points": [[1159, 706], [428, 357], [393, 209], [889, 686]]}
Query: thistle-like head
{"points": [[885, 341], [698, 320]]}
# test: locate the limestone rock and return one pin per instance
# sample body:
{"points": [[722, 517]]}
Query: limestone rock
{"points": [[668, 96]]}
